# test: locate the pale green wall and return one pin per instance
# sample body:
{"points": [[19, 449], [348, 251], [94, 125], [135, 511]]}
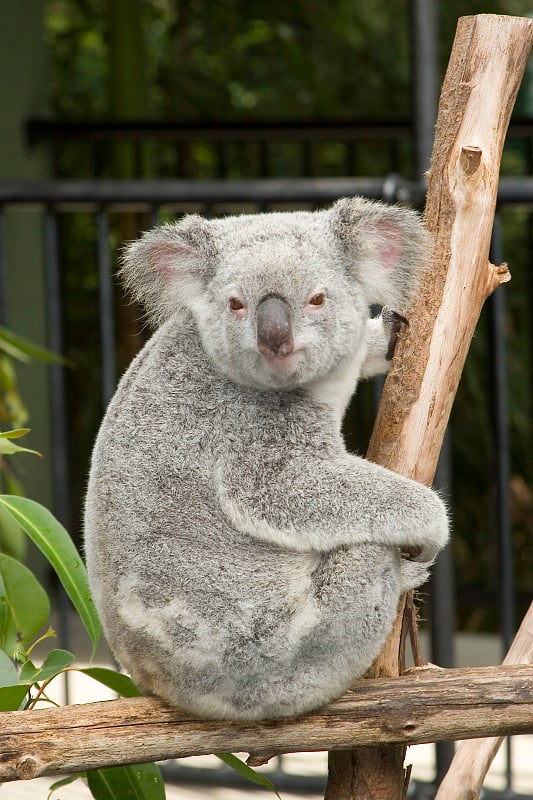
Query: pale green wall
{"points": [[23, 93]]}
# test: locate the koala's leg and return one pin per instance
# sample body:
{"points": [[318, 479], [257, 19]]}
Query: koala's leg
{"points": [[357, 590], [381, 336], [354, 595]]}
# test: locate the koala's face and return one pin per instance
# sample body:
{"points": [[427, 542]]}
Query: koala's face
{"points": [[280, 299], [279, 312]]}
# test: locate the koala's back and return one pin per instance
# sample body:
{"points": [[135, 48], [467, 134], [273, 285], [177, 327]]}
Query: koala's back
{"points": [[206, 617]]}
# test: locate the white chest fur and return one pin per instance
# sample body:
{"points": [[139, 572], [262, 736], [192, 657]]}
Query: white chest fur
{"points": [[336, 388]]}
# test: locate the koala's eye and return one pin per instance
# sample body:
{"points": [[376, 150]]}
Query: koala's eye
{"points": [[235, 304], [317, 299]]}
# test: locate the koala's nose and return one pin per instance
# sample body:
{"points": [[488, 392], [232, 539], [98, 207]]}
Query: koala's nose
{"points": [[274, 331]]}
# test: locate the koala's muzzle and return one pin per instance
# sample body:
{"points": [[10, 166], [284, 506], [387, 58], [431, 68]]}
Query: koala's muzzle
{"points": [[274, 330]]}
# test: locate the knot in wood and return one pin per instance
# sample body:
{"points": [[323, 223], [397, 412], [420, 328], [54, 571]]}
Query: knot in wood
{"points": [[470, 159], [409, 726], [255, 760], [27, 768]]}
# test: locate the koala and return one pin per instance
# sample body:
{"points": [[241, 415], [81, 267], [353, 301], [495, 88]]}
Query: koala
{"points": [[244, 564]]}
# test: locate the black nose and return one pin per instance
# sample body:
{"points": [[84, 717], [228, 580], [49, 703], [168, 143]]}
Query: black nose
{"points": [[274, 330]]}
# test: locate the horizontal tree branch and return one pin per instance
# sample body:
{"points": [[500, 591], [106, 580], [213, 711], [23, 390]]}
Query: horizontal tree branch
{"points": [[425, 705]]}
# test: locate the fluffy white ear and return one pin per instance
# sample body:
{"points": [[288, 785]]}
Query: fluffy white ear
{"points": [[167, 268], [387, 247]]}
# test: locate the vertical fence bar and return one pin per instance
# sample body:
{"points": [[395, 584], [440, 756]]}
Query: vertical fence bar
{"points": [[57, 373], [3, 268], [424, 71], [106, 307], [58, 403], [502, 476]]}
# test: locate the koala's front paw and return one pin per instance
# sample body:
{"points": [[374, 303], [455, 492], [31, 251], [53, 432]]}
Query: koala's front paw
{"points": [[392, 322]]}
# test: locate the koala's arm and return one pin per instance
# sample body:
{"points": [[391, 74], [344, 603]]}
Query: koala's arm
{"points": [[381, 335], [314, 503]]}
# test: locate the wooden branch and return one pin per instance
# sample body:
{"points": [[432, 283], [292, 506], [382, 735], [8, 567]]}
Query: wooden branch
{"points": [[486, 66], [423, 706], [473, 758]]}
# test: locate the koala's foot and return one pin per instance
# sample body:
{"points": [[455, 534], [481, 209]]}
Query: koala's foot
{"points": [[392, 323], [381, 337]]}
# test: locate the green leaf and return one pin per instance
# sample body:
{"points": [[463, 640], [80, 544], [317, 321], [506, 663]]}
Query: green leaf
{"points": [[8, 448], [24, 350], [27, 672], [246, 771], [26, 602], [56, 661], [14, 434], [11, 406], [56, 545], [63, 782], [12, 540], [8, 671], [11, 697], [53, 664], [135, 782], [119, 683]]}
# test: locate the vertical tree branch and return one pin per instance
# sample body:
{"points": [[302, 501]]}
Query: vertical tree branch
{"points": [[486, 66]]}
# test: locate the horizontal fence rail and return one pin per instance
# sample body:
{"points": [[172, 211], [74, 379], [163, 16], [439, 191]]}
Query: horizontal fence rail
{"points": [[76, 194]]}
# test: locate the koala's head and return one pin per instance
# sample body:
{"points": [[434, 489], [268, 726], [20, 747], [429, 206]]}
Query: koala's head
{"points": [[279, 299]]}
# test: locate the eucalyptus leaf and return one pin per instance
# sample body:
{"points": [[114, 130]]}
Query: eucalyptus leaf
{"points": [[116, 681], [11, 697], [54, 663], [56, 545], [9, 448], [246, 771], [12, 539], [63, 782], [134, 782], [26, 603], [11, 404], [13, 351], [14, 434], [8, 671], [27, 672], [24, 350], [8, 376]]}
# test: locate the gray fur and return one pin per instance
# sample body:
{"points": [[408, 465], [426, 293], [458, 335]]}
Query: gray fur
{"points": [[244, 564]]}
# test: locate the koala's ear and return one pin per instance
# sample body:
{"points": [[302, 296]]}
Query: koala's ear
{"points": [[387, 248], [168, 267]]}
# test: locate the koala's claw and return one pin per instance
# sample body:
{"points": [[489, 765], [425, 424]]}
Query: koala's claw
{"points": [[392, 321]]}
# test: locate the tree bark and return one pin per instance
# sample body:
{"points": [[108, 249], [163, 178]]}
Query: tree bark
{"points": [[422, 706], [486, 66], [473, 758]]}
